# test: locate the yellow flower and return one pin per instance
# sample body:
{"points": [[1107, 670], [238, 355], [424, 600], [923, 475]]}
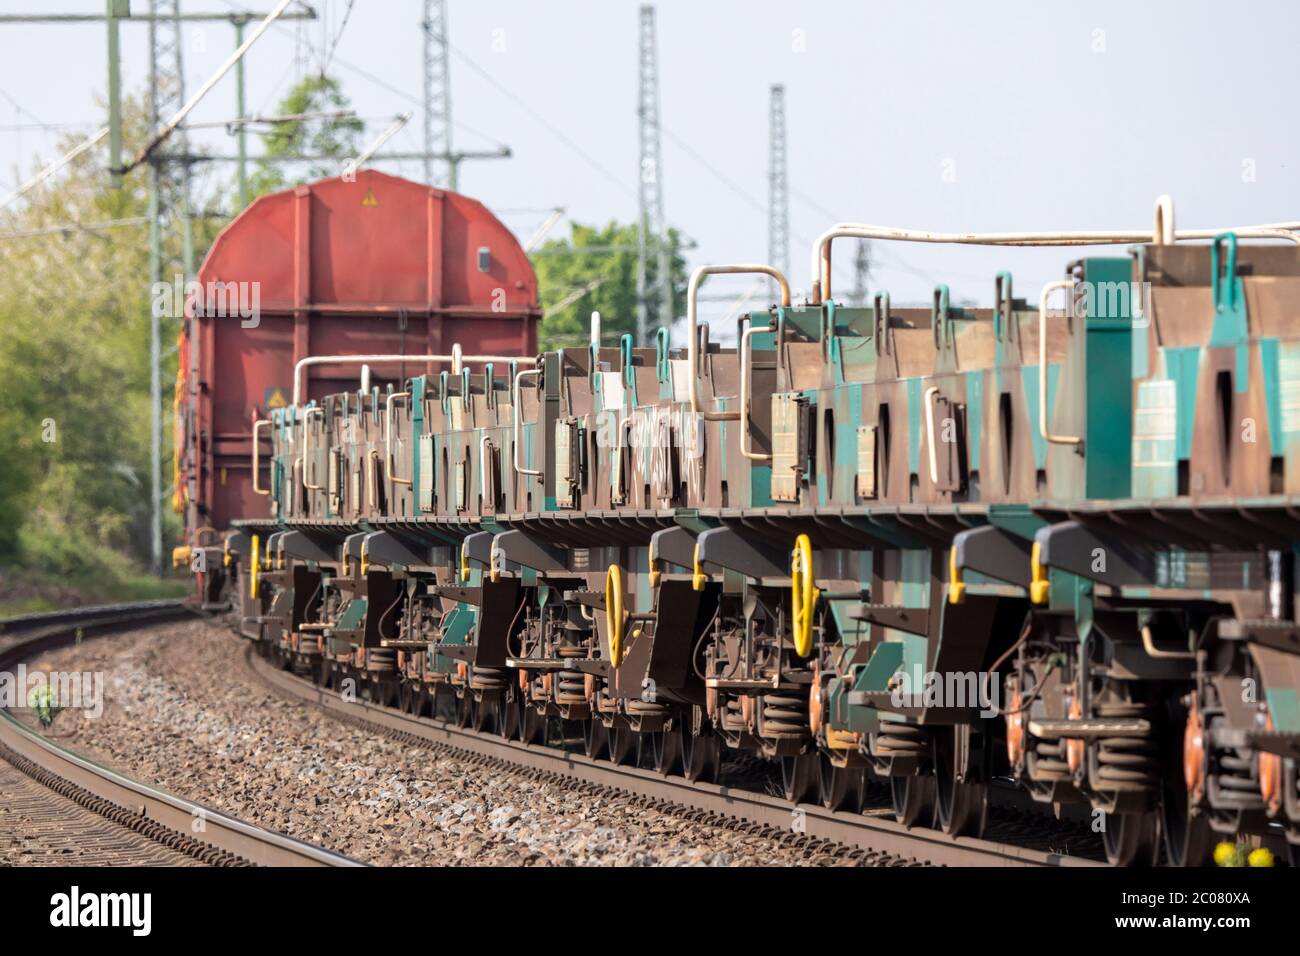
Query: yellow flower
{"points": [[1260, 857], [1224, 853]]}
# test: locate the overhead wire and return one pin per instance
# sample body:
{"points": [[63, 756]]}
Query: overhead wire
{"points": [[337, 36]]}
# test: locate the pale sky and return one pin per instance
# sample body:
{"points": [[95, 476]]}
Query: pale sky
{"points": [[947, 116]]}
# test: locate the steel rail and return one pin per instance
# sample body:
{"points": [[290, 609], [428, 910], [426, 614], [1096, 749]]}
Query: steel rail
{"points": [[233, 836], [848, 829]]}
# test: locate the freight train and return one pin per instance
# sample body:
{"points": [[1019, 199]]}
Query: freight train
{"points": [[366, 263], [1048, 543]]}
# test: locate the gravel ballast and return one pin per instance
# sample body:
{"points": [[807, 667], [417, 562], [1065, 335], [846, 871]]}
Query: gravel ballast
{"points": [[182, 710]]}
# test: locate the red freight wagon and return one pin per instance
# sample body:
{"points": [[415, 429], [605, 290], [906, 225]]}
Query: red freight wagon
{"points": [[376, 265]]}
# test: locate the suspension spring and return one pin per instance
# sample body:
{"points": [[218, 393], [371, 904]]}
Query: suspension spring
{"points": [[784, 715], [1131, 761], [570, 687], [897, 739], [487, 678]]}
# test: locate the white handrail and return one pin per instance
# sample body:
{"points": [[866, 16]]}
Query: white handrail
{"points": [[388, 437], [745, 448], [1163, 233], [306, 445], [1042, 365], [257, 459], [692, 328], [517, 415], [312, 360], [483, 443], [930, 392]]}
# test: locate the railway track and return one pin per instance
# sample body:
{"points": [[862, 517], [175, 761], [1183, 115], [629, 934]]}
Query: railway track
{"points": [[870, 840], [146, 818]]}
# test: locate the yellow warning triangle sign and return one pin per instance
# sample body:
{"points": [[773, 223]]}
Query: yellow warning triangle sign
{"points": [[276, 399], [370, 199]]}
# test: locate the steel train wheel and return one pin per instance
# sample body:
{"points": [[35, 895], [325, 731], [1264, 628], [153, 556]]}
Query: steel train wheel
{"points": [[508, 718], [595, 739], [1185, 833], [532, 725], [961, 808], [1186, 836], [913, 798], [840, 788], [444, 704], [666, 750], [484, 715], [1130, 839], [800, 776], [383, 692], [623, 746], [1188, 840], [701, 757], [465, 709]]}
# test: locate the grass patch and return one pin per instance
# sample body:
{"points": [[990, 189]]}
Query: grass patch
{"points": [[30, 591]]}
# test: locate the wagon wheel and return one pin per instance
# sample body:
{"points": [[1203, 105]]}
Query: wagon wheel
{"points": [[484, 714], [595, 737], [508, 718], [444, 704], [961, 807], [1185, 832], [1129, 839], [800, 775], [623, 746], [913, 799], [422, 702], [378, 691], [840, 788], [1187, 836], [701, 757], [465, 709], [666, 749], [532, 725]]}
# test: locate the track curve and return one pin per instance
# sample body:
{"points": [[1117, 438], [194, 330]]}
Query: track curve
{"points": [[199, 831]]}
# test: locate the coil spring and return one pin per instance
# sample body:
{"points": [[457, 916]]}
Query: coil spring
{"points": [[487, 678], [1127, 760], [570, 687], [1050, 762], [784, 714], [1238, 779], [646, 708], [900, 739], [732, 716], [381, 658]]}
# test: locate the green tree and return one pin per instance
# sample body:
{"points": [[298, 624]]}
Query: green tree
{"points": [[604, 259], [333, 137], [74, 358]]}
